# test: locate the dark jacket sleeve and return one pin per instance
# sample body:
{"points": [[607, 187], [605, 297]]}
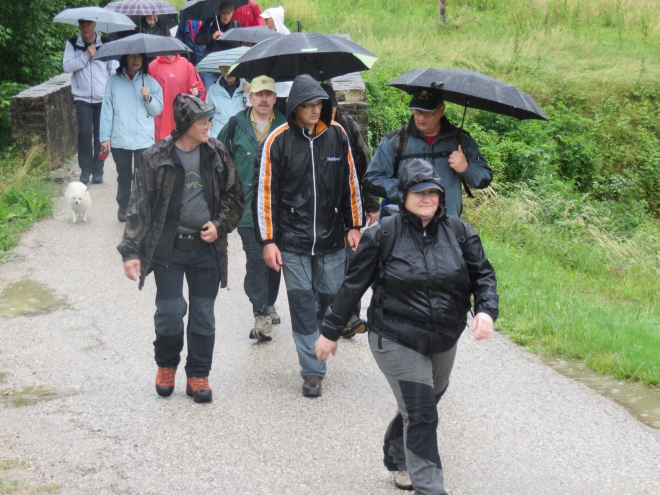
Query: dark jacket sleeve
{"points": [[478, 174], [352, 209], [266, 184], [379, 178], [362, 157], [232, 202], [359, 277], [205, 34], [483, 284]]}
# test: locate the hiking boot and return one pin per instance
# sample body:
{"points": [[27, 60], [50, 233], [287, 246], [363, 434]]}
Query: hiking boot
{"points": [[312, 386], [263, 329], [274, 317], [354, 325], [198, 388], [402, 480], [97, 179], [84, 177], [122, 214], [165, 381]]}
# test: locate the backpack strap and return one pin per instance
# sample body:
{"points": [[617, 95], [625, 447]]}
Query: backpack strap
{"points": [[401, 134], [458, 227], [231, 132], [388, 232]]}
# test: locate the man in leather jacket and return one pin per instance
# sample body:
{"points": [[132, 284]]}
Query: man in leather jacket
{"points": [[307, 193]]}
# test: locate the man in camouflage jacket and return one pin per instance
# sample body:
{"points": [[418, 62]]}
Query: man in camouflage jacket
{"points": [[186, 197]]}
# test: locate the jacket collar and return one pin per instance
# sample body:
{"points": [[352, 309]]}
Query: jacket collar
{"points": [[416, 223], [97, 40]]}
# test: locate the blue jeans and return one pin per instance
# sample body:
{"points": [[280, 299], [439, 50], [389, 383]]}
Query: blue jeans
{"points": [[306, 275], [202, 271], [261, 284]]}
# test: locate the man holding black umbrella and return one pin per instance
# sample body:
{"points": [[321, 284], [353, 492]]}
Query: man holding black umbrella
{"points": [[430, 136]]}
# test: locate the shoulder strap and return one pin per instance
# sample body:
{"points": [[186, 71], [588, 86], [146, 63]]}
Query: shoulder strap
{"points": [[458, 227], [401, 134], [231, 132], [388, 233]]}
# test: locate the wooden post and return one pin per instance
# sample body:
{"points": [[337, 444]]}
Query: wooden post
{"points": [[442, 11]]}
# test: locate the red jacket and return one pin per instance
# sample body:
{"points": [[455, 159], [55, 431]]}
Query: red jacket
{"points": [[174, 77], [248, 15]]}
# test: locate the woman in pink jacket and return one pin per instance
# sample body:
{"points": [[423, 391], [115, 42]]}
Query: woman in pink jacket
{"points": [[175, 75]]}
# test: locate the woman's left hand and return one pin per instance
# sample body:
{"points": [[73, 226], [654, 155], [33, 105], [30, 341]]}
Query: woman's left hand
{"points": [[325, 347], [145, 93], [482, 326]]}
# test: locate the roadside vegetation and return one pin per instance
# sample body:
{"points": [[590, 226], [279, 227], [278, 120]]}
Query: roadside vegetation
{"points": [[571, 221]]}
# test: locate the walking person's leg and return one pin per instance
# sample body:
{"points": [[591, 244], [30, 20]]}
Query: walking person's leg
{"points": [[302, 307], [274, 279], [256, 285], [203, 277], [355, 325], [85, 118], [414, 379], [124, 163], [97, 163]]}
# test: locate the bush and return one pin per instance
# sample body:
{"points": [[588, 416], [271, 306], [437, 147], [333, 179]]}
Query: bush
{"points": [[7, 90]]}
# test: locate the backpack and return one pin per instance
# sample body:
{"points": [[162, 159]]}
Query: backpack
{"points": [[401, 143]]}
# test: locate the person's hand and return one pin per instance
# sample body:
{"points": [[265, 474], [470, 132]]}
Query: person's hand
{"points": [[209, 233], [91, 50], [194, 91], [145, 93], [324, 347], [132, 269], [353, 238], [217, 34], [458, 161], [246, 87], [273, 256], [106, 145], [482, 326], [372, 218]]}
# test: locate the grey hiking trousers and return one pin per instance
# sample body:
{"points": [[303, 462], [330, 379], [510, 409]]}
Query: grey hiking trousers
{"points": [[418, 382]]}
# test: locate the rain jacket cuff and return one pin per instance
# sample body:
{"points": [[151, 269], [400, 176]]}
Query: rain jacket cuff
{"points": [[130, 257], [333, 325]]}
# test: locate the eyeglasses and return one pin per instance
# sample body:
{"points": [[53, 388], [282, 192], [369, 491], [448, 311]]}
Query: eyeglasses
{"points": [[424, 113], [205, 125], [312, 105]]}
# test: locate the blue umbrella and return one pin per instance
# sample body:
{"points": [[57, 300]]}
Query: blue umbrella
{"points": [[213, 61], [106, 20]]}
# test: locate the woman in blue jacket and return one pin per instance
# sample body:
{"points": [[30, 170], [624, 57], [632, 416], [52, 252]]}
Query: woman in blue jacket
{"points": [[227, 96], [132, 99]]}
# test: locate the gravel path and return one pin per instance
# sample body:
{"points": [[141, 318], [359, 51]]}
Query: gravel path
{"points": [[508, 424]]}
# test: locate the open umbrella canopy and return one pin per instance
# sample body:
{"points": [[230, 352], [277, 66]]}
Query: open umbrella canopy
{"points": [[321, 56], [106, 20], [472, 89], [150, 45], [254, 34], [213, 61], [141, 7]]}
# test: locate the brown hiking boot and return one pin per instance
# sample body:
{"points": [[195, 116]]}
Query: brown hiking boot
{"points": [[274, 317], [165, 381], [312, 386], [198, 388], [122, 214]]}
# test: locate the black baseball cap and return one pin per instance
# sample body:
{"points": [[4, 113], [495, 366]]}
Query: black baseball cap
{"points": [[425, 99]]}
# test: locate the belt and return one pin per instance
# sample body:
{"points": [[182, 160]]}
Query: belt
{"points": [[186, 236], [185, 242]]}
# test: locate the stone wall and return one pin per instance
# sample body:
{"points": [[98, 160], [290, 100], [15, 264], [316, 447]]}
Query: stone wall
{"points": [[45, 114]]}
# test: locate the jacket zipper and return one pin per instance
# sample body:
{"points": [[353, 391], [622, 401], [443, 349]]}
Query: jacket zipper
{"points": [[311, 150]]}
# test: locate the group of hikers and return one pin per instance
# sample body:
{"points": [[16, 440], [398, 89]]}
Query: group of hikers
{"points": [[300, 187]]}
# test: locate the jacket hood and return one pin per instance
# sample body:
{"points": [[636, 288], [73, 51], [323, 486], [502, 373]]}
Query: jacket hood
{"points": [[414, 172], [305, 89]]}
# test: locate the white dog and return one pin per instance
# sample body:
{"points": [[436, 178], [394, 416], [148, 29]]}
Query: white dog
{"points": [[78, 200]]}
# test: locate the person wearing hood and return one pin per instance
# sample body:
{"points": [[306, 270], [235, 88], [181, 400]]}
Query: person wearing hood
{"points": [[429, 135], [425, 266], [88, 80], [175, 75], [274, 20], [307, 194]]}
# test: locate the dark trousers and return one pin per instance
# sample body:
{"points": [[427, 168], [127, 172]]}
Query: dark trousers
{"points": [[89, 124], [261, 284], [124, 160], [350, 254], [202, 271]]}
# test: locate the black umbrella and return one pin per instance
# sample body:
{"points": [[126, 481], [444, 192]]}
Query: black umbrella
{"points": [[254, 34], [472, 89], [211, 7], [319, 55], [150, 45]]}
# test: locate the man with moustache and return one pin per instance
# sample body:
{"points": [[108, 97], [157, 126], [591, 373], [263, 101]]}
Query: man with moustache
{"points": [[242, 136]]}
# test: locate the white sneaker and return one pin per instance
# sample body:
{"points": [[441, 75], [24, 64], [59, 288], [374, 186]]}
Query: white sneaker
{"points": [[402, 480], [263, 329]]}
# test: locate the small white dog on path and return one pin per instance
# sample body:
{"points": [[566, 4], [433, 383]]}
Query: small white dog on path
{"points": [[78, 200]]}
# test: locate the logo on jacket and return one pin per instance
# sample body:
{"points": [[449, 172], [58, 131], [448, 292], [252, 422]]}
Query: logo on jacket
{"points": [[333, 159], [172, 75]]}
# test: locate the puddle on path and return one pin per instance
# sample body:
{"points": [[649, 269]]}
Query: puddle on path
{"points": [[30, 396], [642, 402], [29, 298]]}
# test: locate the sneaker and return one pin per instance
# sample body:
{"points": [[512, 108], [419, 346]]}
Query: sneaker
{"points": [[402, 480], [165, 381], [274, 317], [312, 386], [354, 325], [263, 329], [198, 388], [122, 214]]}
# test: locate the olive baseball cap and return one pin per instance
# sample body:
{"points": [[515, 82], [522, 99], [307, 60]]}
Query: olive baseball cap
{"points": [[262, 83], [187, 109], [425, 99]]}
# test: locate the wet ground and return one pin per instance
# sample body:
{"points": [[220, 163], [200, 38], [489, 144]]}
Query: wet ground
{"points": [[508, 424]]}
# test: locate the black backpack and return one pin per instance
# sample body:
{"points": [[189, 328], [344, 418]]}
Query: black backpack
{"points": [[401, 143]]}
